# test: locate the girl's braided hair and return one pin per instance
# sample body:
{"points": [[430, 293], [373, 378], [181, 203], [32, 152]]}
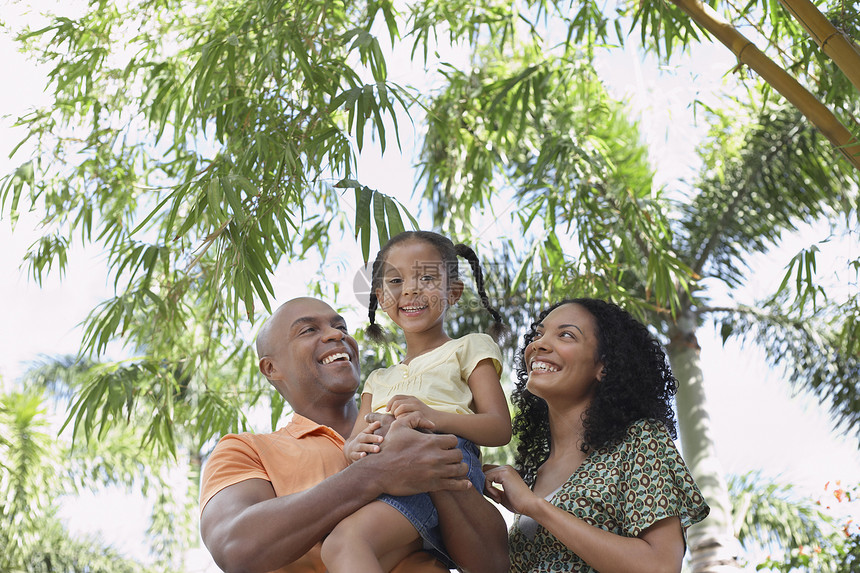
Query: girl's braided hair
{"points": [[448, 252]]}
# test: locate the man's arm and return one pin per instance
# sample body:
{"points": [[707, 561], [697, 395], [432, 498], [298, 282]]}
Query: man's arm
{"points": [[248, 529]]}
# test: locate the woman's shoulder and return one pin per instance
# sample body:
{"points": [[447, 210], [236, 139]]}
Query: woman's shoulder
{"points": [[648, 429]]}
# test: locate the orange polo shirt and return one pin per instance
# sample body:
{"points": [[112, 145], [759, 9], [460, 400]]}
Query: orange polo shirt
{"points": [[294, 458]]}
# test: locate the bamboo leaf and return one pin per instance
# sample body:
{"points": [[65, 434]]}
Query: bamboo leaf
{"points": [[395, 223], [379, 217], [363, 198]]}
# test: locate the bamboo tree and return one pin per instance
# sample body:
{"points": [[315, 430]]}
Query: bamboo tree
{"points": [[841, 48], [747, 53]]}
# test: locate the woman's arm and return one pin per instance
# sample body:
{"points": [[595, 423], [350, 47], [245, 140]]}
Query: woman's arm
{"points": [[490, 425], [657, 549]]}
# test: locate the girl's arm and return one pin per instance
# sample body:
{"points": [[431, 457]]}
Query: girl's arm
{"points": [[362, 440], [658, 549], [490, 425]]}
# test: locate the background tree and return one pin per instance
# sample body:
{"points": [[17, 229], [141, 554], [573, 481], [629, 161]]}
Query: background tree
{"points": [[204, 143], [794, 531], [34, 539]]}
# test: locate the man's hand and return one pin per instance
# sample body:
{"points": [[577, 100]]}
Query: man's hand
{"points": [[411, 462]]}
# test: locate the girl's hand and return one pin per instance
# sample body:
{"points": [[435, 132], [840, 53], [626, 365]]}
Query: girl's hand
{"points": [[514, 494], [401, 406], [365, 442]]}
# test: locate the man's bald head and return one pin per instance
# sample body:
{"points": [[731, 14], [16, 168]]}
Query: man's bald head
{"points": [[266, 334], [297, 346], [308, 356]]}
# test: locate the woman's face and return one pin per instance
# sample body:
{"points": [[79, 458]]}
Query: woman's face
{"points": [[562, 359]]}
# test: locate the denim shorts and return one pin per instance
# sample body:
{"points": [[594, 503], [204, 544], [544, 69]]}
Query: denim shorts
{"points": [[420, 510]]}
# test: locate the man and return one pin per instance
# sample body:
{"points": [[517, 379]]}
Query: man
{"points": [[267, 500]]}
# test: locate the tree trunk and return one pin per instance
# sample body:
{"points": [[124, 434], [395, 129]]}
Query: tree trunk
{"points": [[832, 42], [779, 79], [712, 543]]}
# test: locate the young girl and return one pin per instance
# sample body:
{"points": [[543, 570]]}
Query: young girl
{"points": [[452, 383]]}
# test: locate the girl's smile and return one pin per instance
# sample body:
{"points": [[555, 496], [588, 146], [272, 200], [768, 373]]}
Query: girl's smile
{"points": [[415, 290]]}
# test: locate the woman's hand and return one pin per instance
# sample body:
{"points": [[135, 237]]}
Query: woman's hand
{"points": [[514, 494], [365, 442]]}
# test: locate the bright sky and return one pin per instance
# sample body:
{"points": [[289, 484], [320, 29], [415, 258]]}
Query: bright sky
{"points": [[758, 423]]}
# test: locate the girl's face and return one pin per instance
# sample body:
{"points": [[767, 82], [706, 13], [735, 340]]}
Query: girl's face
{"points": [[415, 292], [562, 361]]}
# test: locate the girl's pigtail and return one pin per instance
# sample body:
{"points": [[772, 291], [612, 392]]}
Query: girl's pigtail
{"points": [[497, 329], [373, 330]]}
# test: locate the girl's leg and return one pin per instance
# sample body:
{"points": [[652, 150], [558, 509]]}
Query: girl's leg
{"points": [[372, 540], [473, 530]]}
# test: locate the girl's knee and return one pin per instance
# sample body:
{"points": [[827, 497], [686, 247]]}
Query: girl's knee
{"points": [[342, 538], [333, 546]]}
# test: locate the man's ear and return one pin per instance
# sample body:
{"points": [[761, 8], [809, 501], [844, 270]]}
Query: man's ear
{"points": [[267, 367], [455, 292]]}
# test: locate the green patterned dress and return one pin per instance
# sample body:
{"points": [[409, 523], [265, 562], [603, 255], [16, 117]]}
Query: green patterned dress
{"points": [[623, 488]]}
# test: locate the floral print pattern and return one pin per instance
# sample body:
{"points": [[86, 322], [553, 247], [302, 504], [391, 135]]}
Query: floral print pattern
{"points": [[622, 488]]}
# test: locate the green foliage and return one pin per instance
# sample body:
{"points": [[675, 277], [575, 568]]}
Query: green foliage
{"points": [[37, 470], [771, 516], [817, 351], [763, 177], [204, 143], [198, 143], [583, 200], [799, 533], [193, 146], [386, 215]]}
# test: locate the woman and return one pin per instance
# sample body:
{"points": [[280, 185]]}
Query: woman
{"points": [[601, 486]]}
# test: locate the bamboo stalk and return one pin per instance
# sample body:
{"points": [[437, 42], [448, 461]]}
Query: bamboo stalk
{"points": [[748, 54], [831, 41]]}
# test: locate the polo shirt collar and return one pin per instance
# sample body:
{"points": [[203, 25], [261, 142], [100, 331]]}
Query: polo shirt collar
{"points": [[300, 427]]}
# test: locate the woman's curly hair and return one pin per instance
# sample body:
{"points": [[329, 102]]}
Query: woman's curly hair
{"points": [[636, 384]]}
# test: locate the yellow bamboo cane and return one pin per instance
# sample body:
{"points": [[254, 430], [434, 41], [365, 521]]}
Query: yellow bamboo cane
{"points": [[779, 79], [831, 41]]}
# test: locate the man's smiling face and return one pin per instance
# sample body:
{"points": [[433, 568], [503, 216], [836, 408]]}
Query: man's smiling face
{"points": [[308, 354]]}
